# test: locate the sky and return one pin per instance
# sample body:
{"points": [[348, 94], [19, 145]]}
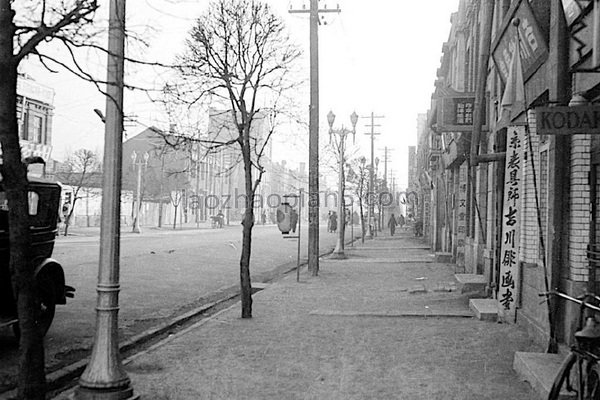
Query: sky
{"points": [[375, 57]]}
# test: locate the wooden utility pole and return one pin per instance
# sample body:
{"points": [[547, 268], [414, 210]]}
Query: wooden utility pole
{"points": [[371, 211], [385, 180], [313, 140], [104, 377]]}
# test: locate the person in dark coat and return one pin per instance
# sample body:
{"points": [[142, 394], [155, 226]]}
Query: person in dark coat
{"points": [[293, 220], [392, 225], [334, 223], [401, 221]]}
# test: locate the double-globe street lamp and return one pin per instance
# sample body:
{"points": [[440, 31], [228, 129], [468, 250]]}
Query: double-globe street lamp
{"points": [[139, 162], [338, 252]]}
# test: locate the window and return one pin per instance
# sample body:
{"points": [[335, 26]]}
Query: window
{"points": [[37, 129], [34, 199]]}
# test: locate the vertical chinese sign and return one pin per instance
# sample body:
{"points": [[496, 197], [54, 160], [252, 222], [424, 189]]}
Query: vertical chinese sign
{"points": [[511, 223], [461, 221]]}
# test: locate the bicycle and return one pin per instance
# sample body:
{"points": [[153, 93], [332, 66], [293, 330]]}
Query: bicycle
{"points": [[583, 380]]}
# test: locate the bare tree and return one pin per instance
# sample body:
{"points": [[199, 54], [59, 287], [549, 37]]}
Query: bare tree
{"points": [[81, 171], [358, 176], [240, 54], [20, 36]]}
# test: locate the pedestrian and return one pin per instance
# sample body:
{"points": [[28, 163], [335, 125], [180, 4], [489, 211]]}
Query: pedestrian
{"points": [[333, 221], [392, 225], [220, 218], [293, 220], [329, 223], [401, 221]]}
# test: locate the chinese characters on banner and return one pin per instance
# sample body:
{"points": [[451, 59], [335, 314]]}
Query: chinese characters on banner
{"points": [[532, 44], [461, 223], [464, 111], [511, 223]]}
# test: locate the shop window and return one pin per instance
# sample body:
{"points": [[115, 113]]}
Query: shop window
{"points": [[37, 129]]}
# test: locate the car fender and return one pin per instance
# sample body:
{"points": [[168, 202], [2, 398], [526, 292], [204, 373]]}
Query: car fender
{"points": [[52, 267]]}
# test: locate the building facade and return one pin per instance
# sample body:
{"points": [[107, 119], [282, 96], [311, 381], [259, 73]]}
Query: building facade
{"points": [[512, 183], [35, 108]]}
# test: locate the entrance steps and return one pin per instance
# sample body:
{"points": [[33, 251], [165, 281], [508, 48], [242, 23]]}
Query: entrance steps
{"points": [[441, 257], [471, 283], [539, 369], [484, 309]]}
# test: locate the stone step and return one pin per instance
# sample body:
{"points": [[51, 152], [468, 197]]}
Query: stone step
{"points": [[539, 369], [484, 309], [442, 257], [471, 282]]}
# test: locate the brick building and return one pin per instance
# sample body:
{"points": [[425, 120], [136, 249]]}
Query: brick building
{"points": [[467, 167], [34, 117]]}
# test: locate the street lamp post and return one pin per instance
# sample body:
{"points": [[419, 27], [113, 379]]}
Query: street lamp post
{"points": [[141, 163], [338, 252], [104, 377]]}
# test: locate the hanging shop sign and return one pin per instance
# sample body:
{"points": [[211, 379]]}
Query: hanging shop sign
{"points": [[573, 9], [568, 120], [461, 215], [534, 50], [508, 288], [455, 112]]}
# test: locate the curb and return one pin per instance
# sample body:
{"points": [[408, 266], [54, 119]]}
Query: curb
{"points": [[56, 379]]}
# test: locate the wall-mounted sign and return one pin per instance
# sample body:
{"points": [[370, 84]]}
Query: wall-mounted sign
{"points": [[508, 288], [33, 90], [534, 49], [455, 112], [573, 9], [568, 120]]}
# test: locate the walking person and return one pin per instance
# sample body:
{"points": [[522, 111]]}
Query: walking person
{"points": [[293, 220], [334, 219], [401, 221], [392, 225]]}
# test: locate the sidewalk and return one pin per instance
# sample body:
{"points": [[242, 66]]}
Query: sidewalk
{"points": [[387, 323]]}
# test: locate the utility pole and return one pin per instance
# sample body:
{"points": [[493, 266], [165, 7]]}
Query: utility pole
{"points": [[104, 377], [385, 182], [371, 211], [313, 140]]}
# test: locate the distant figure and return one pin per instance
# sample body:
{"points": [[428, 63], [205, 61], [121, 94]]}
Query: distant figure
{"points": [[419, 228], [333, 221], [263, 217], [401, 221], [329, 223], [392, 225], [220, 218], [293, 220]]}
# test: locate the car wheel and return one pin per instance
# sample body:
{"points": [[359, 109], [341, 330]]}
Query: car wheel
{"points": [[47, 304]]}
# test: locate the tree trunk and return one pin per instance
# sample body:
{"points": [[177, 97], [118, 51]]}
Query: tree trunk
{"points": [[248, 224], [31, 380], [175, 219]]}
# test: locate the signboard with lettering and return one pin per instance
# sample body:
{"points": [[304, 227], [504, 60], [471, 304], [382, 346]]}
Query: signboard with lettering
{"points": [[568, 120], [33, 90], [455, 113], [511, 224], [534, 49], [461, 215]]}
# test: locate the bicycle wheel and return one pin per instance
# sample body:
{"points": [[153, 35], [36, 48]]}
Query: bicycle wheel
{"points": [[592, 381], [577, 376], [563, 377]]}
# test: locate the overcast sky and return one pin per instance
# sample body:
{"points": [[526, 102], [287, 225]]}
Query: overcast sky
{"points": [[378, 56]]}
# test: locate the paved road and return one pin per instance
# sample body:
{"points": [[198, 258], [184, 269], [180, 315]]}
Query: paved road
{"points": [[161, 273]]}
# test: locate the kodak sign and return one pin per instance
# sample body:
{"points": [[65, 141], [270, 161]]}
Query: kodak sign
{"points": [[568, 120]]}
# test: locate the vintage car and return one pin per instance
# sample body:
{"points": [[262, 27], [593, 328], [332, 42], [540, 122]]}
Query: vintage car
{"points": [[44, 201]]}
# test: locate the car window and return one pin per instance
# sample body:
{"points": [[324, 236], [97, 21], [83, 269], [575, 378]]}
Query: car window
{"points": [[34, 199]]}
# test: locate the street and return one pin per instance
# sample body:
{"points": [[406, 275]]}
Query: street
{"points": [[162, 272]]}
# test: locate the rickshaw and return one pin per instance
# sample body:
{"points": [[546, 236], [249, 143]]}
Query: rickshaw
{"points": [[44, 198]]}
